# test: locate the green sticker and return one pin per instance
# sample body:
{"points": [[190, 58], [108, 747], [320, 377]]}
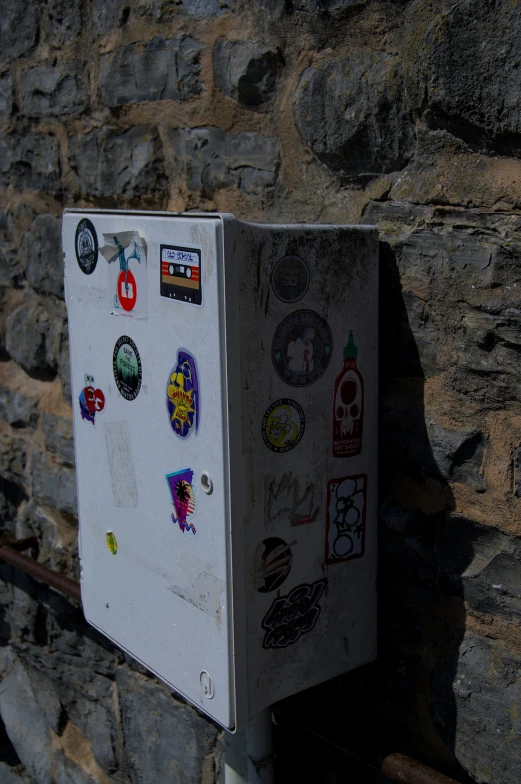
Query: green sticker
{"points": [[126, 364]]}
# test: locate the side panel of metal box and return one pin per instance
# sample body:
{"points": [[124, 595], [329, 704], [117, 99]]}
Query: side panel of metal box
{"points": [[159, 587], [308, 302]]}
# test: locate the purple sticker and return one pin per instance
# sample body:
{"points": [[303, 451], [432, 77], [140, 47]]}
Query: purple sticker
{"points": [[182, 492], [183, 398]]}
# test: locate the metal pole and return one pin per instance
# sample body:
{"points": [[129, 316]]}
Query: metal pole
{"points": [[248, 756]]}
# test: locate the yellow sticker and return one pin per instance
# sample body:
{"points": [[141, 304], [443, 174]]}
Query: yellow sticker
{"points": [[112, 543]]}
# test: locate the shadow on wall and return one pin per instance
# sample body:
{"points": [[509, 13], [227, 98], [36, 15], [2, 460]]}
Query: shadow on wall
{"points": [[404, 702]]}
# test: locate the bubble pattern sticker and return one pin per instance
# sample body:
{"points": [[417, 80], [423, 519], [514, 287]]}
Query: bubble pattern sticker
{"points": [[283, 425], [345, 519]]}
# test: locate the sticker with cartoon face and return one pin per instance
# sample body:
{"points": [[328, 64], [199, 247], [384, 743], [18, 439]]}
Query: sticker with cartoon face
{"points": [[181, 485], [86, 246], [92, 400], [345, 518], [283, 425], [183, 396], [290, 278], [302, 347], [271, 563]]}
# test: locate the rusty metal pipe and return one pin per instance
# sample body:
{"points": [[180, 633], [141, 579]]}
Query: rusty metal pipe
{"points": [[407, 770], [40, 572]]}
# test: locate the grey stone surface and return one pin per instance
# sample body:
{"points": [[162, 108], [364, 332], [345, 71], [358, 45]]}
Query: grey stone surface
{"points": [[212, 159], [517, 472], [324, 6], [33, 339], [245, 71], [64, 365], [485, 694], [458, 454], [350, 113], [56, 91], [30, 161], [64, 21], [54, 485], [6, 95], [161, 734], [206, 8], [9, 776], [58, 435], [156, 70], [423, 331], [11, 273], [56, 539], [18, 27], [463, 71], [16, 408], [109, 14], [26, 723], [42, 254], [126, 165], [13, 457]]}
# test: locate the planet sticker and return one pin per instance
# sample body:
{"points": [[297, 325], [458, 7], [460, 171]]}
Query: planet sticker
{"points": [[126, 364]]}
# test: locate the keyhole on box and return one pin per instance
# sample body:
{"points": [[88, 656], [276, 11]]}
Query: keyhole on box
{"points": [[206, 482]]}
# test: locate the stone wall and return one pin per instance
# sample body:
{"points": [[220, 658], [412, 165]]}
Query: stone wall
{"points": [[403, 114]]}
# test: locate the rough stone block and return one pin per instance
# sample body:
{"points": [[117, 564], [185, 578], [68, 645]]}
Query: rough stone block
{"points": [[33, 339], [42, 254], [58, 435], [64, 21], [54, 485], [17, 408], [423, 331], [30, 161], [245, 71], [56, 91], [206, 8], [156, 70], [6, 95], [126, 165], [11, 274], [212, 159], [351, 115], [478, 682], [324, 6], [161, 735], [18, 27], [109, 14], [9, 776], [517, 472], [458, 454], [13, 458], [56, 538], [463, 71], [25, 714], [64, 367]]}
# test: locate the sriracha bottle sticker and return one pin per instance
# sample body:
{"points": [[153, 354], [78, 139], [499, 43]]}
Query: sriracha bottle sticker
{"points": [[348, 405]]}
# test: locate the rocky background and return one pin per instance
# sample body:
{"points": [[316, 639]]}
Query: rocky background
{"points": [[405, 114]]}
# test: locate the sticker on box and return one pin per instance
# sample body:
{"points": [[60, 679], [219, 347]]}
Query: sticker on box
{"points": [[181, 277], [126, 365], [283, 425], [92, 400], [181, 485], [290, 278], [291, 496], [183, 396], [86, 246], [301, 349], [345, 518], [293, 615], [271, 564], [348, 405], [126, 254]]}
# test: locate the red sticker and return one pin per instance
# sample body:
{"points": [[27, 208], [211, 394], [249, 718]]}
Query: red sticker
{"points": [[127, 290]]}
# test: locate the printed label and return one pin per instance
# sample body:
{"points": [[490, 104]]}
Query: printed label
{"points": [[182, 492], [86, 246], [183, 397], [290, 278], [345, 520], [181, 274], [272, 564], [283, 425], [293, 615], [92, 400], [301, 349], [126, 364]]}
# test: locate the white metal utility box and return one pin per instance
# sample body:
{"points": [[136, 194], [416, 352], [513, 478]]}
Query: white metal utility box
{"points": [[224, 379]]}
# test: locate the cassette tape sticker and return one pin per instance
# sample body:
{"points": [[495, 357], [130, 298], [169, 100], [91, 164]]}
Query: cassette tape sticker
{"points": [[181, 274], [345, 518]]}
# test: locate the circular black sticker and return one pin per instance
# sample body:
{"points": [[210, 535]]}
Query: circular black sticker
{"points": [[302, 348], [290, 278], [126, 364], [86, 246], [283, 425]]}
